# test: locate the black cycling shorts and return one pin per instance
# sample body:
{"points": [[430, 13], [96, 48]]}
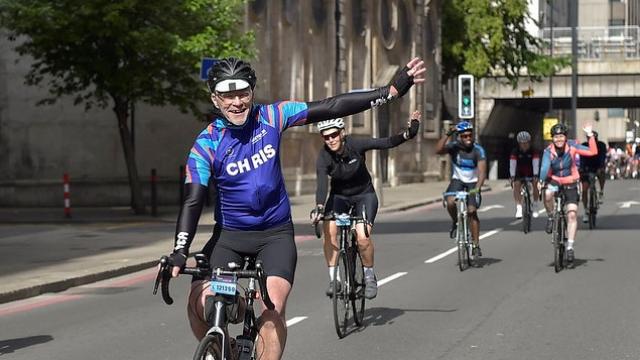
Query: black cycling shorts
{"points": [[275, 247], [474, 200], [339, 204], [571, 194]]}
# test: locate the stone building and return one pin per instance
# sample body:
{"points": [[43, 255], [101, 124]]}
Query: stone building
{"points": [[307, 50]]}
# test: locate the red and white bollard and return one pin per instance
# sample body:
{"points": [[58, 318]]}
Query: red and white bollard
{"points": [[67, 198]]}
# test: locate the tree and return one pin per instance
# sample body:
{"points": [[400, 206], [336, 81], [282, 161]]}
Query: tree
{"points": [[106, 52], [486, 37]]}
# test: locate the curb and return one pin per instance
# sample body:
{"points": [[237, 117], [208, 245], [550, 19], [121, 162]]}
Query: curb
{"points": [[62, 285]]}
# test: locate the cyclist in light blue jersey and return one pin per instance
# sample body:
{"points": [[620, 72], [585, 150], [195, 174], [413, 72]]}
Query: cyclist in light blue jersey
{"points": [[239, 155]]}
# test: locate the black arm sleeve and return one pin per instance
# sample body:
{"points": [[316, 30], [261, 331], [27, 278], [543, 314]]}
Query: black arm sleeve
{"points": [[346, 104], [362, 145], [195, 195], [321, 178]]}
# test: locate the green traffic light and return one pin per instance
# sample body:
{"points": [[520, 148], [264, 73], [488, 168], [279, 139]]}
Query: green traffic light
{"points": [[466, 101]]}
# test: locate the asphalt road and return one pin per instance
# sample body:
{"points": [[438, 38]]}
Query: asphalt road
{"points": [[514, 307]]}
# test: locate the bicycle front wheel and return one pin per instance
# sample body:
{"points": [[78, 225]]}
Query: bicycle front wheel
{"points": [[210, 348], [593, 208], [357, 288], [558, 244], [341, 290], [463, 246], [526, 211]]}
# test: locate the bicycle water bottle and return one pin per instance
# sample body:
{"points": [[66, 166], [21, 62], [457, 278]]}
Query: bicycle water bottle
{"points": [[245, 347]]}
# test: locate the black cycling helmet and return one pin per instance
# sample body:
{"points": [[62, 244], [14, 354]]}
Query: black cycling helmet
{"points": [[559, 129], [231, 74]]}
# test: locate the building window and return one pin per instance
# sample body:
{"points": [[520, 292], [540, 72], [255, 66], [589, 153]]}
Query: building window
{"points": [[319, 9], [615, 112], [290, 11], [388, 22], [257, 6]]}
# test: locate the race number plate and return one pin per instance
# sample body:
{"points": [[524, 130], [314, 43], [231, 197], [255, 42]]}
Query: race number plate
{"points": [[343, 220], [223, 284]]}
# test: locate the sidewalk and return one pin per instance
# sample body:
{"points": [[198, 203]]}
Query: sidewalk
{"points": [[55, 253]]}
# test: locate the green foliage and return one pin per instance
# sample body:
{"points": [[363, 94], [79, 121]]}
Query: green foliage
{"points": [[488, 37], [126, 50]]}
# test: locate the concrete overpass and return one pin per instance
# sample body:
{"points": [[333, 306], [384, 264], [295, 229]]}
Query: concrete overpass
{"points": [[611, 81]]}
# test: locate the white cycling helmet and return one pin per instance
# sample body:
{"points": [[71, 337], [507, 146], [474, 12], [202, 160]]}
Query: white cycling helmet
{"points": [[330, 124], [523, 137]]}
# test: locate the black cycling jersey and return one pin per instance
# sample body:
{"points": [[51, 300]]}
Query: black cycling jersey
{"points": [[348, 169]]}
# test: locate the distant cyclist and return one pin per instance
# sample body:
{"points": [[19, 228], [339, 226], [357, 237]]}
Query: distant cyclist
{"points": [[559, 168], [343, 159], [593, 165], [524, 162], [468, 173]]}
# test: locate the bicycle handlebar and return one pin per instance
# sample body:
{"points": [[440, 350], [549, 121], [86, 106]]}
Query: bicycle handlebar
{"points": [[164, 276]]}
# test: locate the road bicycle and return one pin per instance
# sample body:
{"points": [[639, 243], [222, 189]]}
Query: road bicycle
{"points": [[527, 209], [348, 287], [466, 257], [224, 306]]}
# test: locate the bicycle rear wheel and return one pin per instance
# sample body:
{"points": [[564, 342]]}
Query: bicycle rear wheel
{"points": [[341, 303], [357, 286], [209, 348]]}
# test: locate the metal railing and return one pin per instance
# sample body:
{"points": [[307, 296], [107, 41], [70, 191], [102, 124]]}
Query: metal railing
{"points": [[602, 43]]}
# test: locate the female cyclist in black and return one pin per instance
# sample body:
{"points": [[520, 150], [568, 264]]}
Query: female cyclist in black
{"points": [[343, 159]]}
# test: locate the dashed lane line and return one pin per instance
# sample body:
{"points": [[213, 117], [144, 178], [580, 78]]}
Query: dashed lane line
{"points": [[295, 320], [391, 278], [454, 249]]}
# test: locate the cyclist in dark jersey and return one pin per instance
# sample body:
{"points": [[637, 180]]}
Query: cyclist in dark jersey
{"points": [[238, 154], [468, 172], [592, 165], [524, 162], [343, 159]]}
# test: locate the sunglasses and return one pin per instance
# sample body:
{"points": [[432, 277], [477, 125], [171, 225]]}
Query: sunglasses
{"points": [[333, 135], [466, 136]]}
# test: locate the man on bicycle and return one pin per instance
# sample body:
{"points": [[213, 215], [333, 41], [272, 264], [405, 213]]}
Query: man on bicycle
{"points": [[238, 153], [468, 169], [592, 165], [524, 162], [343, 159], [559, 168]]}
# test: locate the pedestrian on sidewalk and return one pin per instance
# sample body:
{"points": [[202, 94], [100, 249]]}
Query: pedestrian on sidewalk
{"points": [[343, 159]]}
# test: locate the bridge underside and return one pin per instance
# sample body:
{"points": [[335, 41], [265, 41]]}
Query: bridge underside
{"points": [[511, 115], [542, 104]]}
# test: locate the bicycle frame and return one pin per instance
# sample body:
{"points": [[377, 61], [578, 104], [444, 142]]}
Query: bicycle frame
{"points": [[463, 234], [219, 302]]}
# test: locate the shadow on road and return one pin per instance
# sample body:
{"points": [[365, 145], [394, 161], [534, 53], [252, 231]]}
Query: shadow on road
{"points": [[581, 262], [11, 345], [381, 315], [487, 261]]}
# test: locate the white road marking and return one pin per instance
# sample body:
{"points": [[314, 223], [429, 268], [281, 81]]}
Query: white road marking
{"points": [[295, 320], [627, 204], [454, 249], [515, 222], [490, 207], [391, 278]]}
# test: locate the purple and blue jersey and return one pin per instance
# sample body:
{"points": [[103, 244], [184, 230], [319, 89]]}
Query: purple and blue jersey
{"points": [[244, 163]]}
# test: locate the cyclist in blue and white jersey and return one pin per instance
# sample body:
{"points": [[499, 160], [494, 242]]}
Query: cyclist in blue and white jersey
{"points": [[239, 155], [468, 172]]}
